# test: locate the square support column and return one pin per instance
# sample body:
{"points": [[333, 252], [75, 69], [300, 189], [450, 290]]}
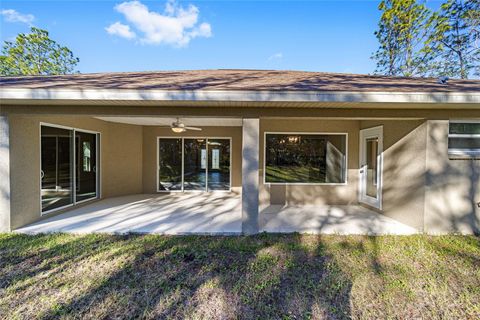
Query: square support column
{"points": [[250, 175], [4, 174]]}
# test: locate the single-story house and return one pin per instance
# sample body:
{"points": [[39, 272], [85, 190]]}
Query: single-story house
{"points": [[402, 148]]}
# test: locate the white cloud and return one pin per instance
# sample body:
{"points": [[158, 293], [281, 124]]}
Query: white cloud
{"points": [[11, 15], [176, 26], [276, 56], [121, 30]]}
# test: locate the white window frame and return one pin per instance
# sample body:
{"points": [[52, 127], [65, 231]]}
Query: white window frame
{"points": [[98, 175], [182, 190], [462, 154], [305, 183]]}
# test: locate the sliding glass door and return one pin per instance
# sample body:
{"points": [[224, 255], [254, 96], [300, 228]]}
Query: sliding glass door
{"points": [[86, 164], [195, 165], [218, 164], [170, 164], [56, 168], [68, 158], [202, 164]]}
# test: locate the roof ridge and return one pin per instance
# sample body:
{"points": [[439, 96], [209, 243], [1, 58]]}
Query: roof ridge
{"points": [[77, 75]]}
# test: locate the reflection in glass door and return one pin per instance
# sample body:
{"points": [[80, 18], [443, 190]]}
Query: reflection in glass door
{"points": [[195, 164], [371, 167], [371, 149], [86, 165], [56, 168], [67, 155], [170, 164], [218, 164]]}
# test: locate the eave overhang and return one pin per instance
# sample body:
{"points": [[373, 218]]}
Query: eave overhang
{"points": [[115, 96]]}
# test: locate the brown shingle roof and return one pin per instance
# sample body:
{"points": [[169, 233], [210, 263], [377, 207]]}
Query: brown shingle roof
{"points": [[258, 80]]}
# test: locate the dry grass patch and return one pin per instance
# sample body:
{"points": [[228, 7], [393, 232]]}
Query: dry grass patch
{"points": [[265, 277]]}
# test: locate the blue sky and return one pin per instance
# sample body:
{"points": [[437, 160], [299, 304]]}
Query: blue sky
{"points": [[334, 36]]}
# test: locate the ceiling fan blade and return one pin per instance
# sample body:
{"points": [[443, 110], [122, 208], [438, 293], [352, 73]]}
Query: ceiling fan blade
{"points": [[164, 126], [193, 128]]}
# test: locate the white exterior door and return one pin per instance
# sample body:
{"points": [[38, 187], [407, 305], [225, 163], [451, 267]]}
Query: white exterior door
{"points": [[371, 165]]}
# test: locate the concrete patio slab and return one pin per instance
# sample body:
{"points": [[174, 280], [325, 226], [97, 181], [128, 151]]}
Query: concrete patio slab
{"points": [[187, 213], [344, 220], [211, 213]]}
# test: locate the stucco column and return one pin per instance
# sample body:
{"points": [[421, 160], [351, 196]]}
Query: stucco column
{"points": [[250, 175], [4, 175]]}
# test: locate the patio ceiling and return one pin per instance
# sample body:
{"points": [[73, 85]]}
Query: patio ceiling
{"points": [[166, 121]]}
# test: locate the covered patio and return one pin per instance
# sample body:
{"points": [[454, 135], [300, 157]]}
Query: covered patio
{"points": [[230, 175], [211, 214]]}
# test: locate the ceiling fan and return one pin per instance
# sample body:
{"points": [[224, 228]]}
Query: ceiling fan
{"points": [[179, 127]]}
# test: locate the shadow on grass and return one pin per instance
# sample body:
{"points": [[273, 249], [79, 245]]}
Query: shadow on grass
{"points": [[265, 276], [30, 256], [268, 276]]}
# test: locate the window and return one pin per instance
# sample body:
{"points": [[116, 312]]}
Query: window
{"points": [[193, 164], [68, 158], [86, 164], [87, 157], [216, 159], [305, 158], [464, 140]]}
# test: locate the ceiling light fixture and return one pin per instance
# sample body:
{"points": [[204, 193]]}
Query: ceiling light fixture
{"points": [[178, 129]]}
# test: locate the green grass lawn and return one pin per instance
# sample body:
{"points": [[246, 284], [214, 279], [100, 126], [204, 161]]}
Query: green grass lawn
{"points": [[265, 277]]}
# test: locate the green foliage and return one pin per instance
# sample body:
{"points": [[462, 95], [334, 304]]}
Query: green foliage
{"points": [[455, 39], [403, 27], [417, 42], [473, 20], [35, 53]]}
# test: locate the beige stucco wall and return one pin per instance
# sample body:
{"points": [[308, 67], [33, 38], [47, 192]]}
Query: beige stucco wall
{"points": [[151, 133], [452, 187], [404, 143], [312, 194], [422, 188], [121, 161]]}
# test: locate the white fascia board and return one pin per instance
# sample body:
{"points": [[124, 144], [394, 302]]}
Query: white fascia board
{"points": [[247, 96]]}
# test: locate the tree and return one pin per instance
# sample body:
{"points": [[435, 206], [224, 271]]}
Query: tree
{"points": [[473, 20], [36, 54], [403, 28], [455, 39]]}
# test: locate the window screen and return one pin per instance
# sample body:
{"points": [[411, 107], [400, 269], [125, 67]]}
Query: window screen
{"points": [[464, 140]]}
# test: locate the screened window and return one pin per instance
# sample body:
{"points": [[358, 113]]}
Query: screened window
{"points": [[464, 140], [305, 158]]}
